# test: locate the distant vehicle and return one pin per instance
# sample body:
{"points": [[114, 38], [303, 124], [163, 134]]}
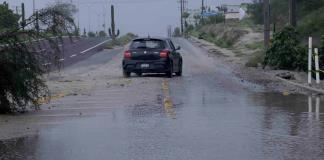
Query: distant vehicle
{"points": [[152, 55]]}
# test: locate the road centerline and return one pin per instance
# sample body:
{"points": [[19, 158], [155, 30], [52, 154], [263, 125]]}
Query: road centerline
{"points": [[87, 50], [73, 55]]}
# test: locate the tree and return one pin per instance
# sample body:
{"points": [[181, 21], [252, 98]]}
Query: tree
{"points": [[84, 33], [255, 11], [102, 34], [91, 34], [197, 18], [21, 68], [286, 52], [177, 32], [8, 20]]}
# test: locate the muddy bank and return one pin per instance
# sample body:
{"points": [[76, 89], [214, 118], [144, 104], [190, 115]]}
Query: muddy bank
{"points": [[237, 62]]}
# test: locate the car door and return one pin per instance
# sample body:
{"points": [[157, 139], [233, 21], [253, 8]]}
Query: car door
{"points": [[176, 56]]}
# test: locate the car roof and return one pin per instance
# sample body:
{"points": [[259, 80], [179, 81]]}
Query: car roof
{"points": [[155, 38]]}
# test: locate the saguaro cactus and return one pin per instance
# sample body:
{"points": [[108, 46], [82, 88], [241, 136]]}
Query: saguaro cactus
{"points": [[6, 4], [23, 16], [37, 22], [112, 30]]}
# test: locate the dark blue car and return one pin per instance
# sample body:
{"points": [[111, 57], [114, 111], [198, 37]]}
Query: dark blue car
{"points": [[152, 55]]}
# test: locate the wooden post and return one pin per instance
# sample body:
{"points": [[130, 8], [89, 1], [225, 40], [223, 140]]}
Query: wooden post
{"points": [[317, 66], [310, 56]]}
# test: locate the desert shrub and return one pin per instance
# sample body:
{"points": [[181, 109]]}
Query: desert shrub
{"points": [[91, 34], [285, 51], [102, 34], [21, 69], [256, 59]]}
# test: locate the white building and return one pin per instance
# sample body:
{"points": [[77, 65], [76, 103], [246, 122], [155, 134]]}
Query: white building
{"points": [[234, 12]]}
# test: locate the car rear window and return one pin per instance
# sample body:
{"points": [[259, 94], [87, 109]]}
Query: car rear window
{"points": [[147, 44]]}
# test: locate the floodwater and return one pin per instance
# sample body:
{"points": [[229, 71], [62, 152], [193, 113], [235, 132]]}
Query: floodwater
{"points": [[255, 126], [213, 116]]}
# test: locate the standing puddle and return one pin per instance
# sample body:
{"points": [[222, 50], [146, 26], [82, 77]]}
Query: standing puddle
{"points": [[23, 148], [231, 126]]}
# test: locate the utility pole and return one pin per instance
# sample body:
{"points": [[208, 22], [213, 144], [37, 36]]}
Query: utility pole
{"points": [[79, 16], [23, 16], [292, 13], [202, 10], [266, 12], [202, 7], [33, 6], [181, 15], [104, 18], [184, 19]]}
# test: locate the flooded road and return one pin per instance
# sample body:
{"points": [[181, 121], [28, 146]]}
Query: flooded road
{"points": [[213, 115]]}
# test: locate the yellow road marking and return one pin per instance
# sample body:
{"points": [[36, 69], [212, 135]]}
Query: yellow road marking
{"points": [[167, 102], [45, 100]]}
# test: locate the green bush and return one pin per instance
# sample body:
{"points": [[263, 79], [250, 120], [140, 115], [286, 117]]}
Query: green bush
{"points": [[91, 34], [285, 51], [102, 34]]}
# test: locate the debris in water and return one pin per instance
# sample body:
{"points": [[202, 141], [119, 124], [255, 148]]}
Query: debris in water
{"points": [[286, 93]]}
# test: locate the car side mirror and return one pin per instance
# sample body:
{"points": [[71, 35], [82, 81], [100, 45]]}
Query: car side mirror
{"points": [[178, 48]]}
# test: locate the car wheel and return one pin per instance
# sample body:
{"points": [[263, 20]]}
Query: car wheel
{"points": [[180, 70], [169, 73], [139, 74], [126, 74]]}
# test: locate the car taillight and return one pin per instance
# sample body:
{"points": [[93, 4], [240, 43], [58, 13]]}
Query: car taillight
{"points": [[164, 54], [127, 55]]}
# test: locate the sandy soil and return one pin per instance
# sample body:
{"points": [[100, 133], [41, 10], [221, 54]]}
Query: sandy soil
{"points": [[264, 77]]}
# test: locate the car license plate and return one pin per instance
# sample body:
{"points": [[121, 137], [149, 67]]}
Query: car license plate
{"points": [[145, 65]]}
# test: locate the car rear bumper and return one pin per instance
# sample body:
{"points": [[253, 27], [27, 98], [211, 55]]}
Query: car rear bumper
{"points": [[146, 66]]}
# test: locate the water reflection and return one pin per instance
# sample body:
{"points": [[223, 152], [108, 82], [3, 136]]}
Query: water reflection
{"points": [[317, 107], [291, 124], [23, 148]]}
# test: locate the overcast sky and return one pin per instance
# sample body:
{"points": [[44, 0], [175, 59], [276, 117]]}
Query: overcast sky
{"points": [[142, 17]]}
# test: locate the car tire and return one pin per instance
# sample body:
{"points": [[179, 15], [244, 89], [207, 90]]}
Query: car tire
{"points": [[139, 74], [180, 70], [126, 74], [169, 73]]}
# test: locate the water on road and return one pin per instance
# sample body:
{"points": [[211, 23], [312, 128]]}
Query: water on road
{"points": [[213, 115]]}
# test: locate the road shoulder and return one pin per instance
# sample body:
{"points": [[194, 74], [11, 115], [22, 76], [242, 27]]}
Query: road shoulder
{"points": [[264, 77]]}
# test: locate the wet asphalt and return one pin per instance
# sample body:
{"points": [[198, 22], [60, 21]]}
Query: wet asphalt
{"points": [[213, 116]]}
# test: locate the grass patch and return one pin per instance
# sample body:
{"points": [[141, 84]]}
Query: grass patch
{"points": [[256, 59], [254, 46]]}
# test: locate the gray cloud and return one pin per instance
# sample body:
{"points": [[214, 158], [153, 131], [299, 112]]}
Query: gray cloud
{"points": [[139, 16]]}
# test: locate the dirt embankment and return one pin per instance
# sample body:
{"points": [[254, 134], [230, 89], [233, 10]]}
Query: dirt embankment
{"points": [[244, 53]]}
